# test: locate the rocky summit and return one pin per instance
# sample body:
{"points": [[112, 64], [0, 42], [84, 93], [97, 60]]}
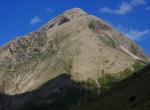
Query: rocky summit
{"points": [[74, 43]]}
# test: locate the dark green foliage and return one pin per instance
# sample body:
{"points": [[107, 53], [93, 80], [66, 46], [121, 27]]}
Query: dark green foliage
{"points": [[130, 94], [139, 65], [128, 72], [80, 93], [112, 42], [90, 83], [106, 81], [124, 74], [91, 87]]}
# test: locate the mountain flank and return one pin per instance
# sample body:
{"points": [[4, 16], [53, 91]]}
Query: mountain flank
{"points": [[76, 43], [132, 93]]}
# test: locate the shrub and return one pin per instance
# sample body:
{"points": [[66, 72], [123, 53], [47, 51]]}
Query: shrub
{"points": [[124, 74], [139, 65], [106, 81]]}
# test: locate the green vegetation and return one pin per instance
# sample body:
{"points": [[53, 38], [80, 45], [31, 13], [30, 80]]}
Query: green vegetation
{"points": [[112, 42], [89, 83], [106, 82], [139, 65], [92, 89], [124, 74], [86, 90]]}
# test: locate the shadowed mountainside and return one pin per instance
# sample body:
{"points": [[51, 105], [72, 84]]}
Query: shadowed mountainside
{"points": [[48, 96], [132, 93], [62, 93]]}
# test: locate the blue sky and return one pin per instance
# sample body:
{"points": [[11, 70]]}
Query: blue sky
{"points": [[131, 17]]}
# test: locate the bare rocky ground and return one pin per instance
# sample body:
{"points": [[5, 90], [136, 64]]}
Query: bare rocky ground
{"points": [[75, 43]]}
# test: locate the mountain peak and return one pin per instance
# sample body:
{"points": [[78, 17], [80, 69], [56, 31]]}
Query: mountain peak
{"points": [[65, 17], [74, 43], [74, 12]]}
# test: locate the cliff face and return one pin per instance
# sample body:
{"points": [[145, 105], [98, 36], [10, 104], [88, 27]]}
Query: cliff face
{"points": [[75, 43]]}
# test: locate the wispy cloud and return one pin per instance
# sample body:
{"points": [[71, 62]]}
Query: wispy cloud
{"points": [[147, 8], [49, 10], [138, 35], [124, 7], [35, 20], [134, 34]]}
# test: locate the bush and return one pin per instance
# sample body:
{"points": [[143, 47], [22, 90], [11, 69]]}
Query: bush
{"points": [[124, 74], [106, 81], [139, 65]]}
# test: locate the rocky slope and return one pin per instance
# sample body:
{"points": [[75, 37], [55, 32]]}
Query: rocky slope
{"points": [[132, 93], [62, 93], [75, 43]]}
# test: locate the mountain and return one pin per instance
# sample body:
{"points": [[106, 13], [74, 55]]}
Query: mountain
{"points": [[76, 44], [132, 93]]}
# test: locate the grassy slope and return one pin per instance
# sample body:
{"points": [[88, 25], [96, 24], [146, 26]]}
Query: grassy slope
{"points": [[132, 93]]}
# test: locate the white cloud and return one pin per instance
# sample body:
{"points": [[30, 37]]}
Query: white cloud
{"points": [[147, 8], [35, 20], [134, 34], [124, 7], [138, 2], [49, 10], [138, 35]]}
